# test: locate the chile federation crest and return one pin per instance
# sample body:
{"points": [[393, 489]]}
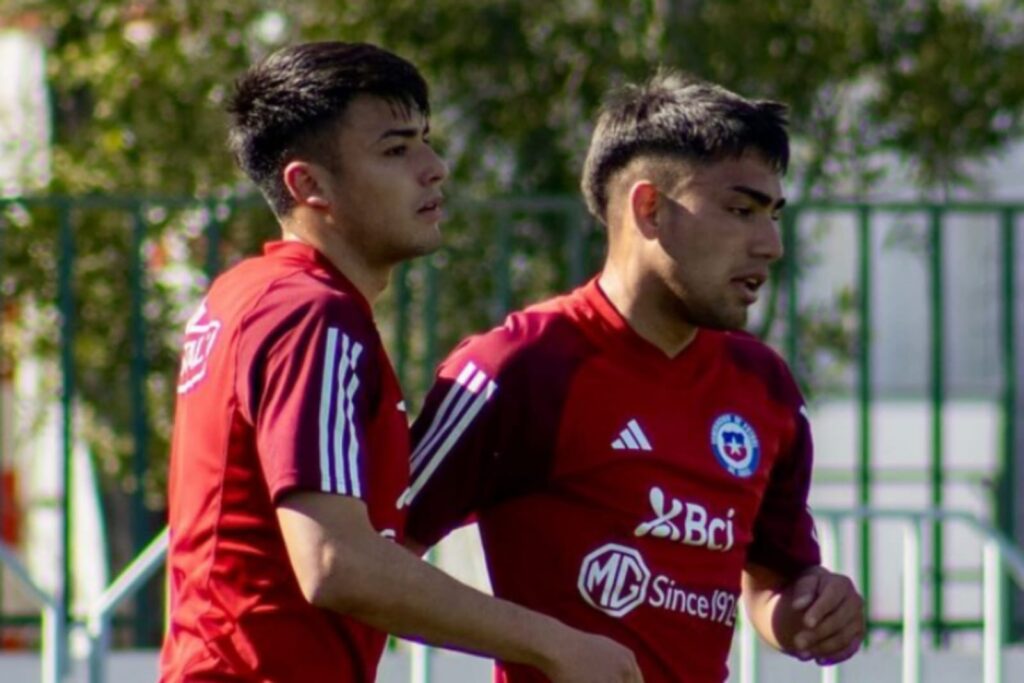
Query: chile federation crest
{"points": [[735, 445]]}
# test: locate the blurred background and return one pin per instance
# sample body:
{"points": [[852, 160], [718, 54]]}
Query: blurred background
{"points": [[898, 305]]}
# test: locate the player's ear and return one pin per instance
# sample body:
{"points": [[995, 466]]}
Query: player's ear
{"points": [[307, 184], [643, 204]]}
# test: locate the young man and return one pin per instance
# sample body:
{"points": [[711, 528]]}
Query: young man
{"points": [[290, 444], [635, 461]]}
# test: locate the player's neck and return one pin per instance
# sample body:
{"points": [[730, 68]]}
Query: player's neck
{"points": [[645, 311], [369, 280]]}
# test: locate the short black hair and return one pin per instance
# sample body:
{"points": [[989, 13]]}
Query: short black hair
{"points": [[282, 107], [678, 117]]}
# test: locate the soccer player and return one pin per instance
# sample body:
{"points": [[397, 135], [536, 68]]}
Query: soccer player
{"points": [[291, 443], [635, 461]]}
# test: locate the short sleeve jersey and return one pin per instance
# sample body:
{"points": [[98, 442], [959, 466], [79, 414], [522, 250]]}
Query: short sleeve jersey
{"points": [[618, 489], [284, 386]]}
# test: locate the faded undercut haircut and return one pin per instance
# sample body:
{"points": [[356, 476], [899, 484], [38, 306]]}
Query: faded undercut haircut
{"points": [[673, 117], [289, 106]]}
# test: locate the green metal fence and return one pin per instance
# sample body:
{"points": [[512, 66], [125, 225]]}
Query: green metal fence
{"points": [[118, 273]]}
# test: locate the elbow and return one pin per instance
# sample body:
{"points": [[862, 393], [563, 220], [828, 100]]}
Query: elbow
{"points": [[329, 584], [319, 592], [322, 582]]}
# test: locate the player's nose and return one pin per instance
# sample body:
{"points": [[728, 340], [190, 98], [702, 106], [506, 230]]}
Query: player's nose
{"points": [[435, 170]]}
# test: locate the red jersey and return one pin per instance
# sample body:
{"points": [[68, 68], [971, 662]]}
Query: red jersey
{"points": [[284, 386], [618, 489]]}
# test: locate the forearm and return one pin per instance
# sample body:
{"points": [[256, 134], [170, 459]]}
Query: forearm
{"points": [[387, 587], [774, 620], [760, 607]]}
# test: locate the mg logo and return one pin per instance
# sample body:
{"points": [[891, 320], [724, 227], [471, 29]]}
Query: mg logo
{"points": [[614, 579]]}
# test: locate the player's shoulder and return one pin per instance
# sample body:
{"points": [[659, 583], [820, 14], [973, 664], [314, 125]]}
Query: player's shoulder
{"points": [[757, 358], [286, 296], [536, 336]]}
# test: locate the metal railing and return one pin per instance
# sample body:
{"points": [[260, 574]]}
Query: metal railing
{"points": [[53, 648], [1000, 557], [998, 554], [420, 320]]}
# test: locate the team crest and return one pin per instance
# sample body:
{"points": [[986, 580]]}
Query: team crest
{"points": [[735, 445]]}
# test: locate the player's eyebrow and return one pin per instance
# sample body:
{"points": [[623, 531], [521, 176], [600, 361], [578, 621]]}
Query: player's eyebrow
{"points": [[760, 197], [407, 132]]}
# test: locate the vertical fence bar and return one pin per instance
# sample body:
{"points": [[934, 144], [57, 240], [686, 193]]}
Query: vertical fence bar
{"points": [[53, 646], [430, 319], [791, 267], [1006, 500], [992, 620], [419, 663], [865, 398], [140, 414], [214, 235], [749, 655], [6, 374], [828, 536], [938, 396], [58, 621], [577, 226], [402, 305], [503, 284], [911, 602]]}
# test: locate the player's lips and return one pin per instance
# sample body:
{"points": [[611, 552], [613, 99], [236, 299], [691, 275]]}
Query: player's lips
{"points": [[749, 283], [432, 208]]}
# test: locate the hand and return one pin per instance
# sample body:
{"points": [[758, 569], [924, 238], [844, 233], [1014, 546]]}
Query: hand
{"points": [[594, 659], [830, 616]]}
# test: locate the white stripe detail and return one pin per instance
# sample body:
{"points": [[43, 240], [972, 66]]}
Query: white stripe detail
{"points": [[353, 438], [346, 441], [453, 436], [627, 437], [478, 379], [440, 416], [641, 438], [460, 393], [341, 483], [632, 438], [465, 397], [326, 395]]}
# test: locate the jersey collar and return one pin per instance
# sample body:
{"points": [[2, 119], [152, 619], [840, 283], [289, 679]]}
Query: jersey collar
{"points": [[305, 255], [604, 318]]}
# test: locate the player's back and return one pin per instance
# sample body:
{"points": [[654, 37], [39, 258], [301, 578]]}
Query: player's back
{"points": [[237, 612]]}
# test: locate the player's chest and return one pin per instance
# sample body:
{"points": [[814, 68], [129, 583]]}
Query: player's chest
{"points": [[697, 452]]}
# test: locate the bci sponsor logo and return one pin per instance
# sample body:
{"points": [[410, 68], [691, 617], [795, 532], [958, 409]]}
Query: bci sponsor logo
{"points": [[616, 580], [699, 528], [200, 336]]}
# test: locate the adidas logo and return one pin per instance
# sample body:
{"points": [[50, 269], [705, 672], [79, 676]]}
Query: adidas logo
{"points": [[632, 438]]}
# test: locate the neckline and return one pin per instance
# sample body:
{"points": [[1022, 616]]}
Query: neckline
{"points": [[612, 329], [306, 255]]}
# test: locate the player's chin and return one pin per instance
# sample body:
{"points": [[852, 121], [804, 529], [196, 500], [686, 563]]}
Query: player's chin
{"points": [[728, 319], [426, 241]]}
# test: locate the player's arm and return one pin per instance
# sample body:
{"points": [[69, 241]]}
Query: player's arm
{"points": [[310, 383], [797, 605], [342, 564], [461, 440], [816, 614]]}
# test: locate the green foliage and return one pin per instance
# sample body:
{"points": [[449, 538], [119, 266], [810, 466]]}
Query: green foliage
{"points": [[138, 90]]}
